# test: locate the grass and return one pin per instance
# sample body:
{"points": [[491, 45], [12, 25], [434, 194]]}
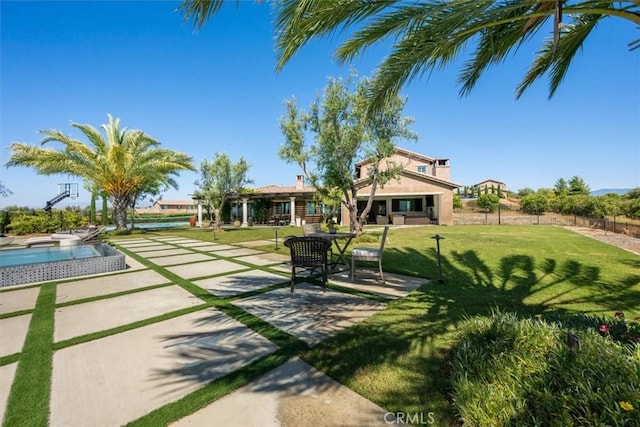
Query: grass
{"points": [[399, 358]]}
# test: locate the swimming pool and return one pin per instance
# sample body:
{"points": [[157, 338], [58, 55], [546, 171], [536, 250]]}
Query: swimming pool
{"points": [[19, 266], [152, 225], [12, 257]]}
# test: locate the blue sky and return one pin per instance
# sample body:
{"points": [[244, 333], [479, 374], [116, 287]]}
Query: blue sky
{"points": [[216, 90]]}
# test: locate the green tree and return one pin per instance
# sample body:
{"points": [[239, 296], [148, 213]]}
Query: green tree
{"points": [[525, 192], [576, 185], [221, 180], [430, 34], [534, 204], [631, 206], [561, 188], [488, 202], [457, 202], [122, 164], [344, 134]]}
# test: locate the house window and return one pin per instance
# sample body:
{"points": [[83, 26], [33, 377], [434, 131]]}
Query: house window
{"points": [[422, 169], [406, 205], [282, 208], [313, 208]]}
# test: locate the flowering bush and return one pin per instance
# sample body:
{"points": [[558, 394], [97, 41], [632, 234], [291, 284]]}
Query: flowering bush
{"points": [[620, 329], [508, 370]]}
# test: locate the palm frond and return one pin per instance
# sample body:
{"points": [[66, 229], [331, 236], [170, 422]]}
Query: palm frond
{"points": [[199, 10], [556, 58]]}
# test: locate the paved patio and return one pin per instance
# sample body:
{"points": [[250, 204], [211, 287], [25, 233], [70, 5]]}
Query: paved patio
{"points": [[118, 378]]}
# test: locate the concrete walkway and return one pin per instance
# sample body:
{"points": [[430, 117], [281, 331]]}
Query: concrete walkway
{"points": [[122, 376]]}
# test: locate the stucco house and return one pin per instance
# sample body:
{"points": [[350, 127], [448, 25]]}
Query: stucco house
{"points": [[489, 184], [187, 207], [423, 194]]}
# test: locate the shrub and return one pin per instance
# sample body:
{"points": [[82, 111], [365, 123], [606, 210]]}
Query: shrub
{"points": [[510, 371]]}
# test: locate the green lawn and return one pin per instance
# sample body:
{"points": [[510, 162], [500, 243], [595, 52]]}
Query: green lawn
{"points": [[399, 357]]}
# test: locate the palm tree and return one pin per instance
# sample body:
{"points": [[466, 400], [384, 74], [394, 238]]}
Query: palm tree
{"points": [[431, 33], [124, 164]]}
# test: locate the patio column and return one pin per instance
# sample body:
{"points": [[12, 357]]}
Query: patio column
{"points": [[244, 212], [199, 224], [293, 211]]}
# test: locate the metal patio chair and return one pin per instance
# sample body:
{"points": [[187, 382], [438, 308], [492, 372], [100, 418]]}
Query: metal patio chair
{"points": [[369, 254], [308, 253]]}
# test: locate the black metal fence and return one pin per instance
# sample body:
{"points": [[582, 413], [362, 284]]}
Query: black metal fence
{"points": [[519, 218]]}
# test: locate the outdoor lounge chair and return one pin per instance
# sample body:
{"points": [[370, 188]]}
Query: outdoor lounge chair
{"points": [[369, 254], [308, 253], [67, 239]]}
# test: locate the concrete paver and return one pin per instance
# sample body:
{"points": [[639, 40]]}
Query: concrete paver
{"points": [[153, 246], [265, 259], [208, 268], [20, 299], [220, 247], [116, 379], [195, 244], [211, 247], [237, 283], [238, 252], [294, 394], [179, 259], [81, 319], [255, 243], [141, 245], [367, 280], [309, 313], [165, 252], [13, 331], [104, 285], [7, 372]]}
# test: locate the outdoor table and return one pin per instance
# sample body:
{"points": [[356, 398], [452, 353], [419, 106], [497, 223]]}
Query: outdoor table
{"points": [[336, 238]]}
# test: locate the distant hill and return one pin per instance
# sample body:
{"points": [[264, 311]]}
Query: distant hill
{"points": [[604, 191]]}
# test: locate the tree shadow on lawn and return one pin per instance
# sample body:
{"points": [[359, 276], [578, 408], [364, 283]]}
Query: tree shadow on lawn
{"points": [[399, 357]]}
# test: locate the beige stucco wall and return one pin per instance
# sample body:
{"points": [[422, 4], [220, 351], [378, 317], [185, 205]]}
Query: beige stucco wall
{"points": [[412, 187]]}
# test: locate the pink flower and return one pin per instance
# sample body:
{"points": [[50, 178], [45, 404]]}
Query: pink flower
{"points": [[604, 328]]}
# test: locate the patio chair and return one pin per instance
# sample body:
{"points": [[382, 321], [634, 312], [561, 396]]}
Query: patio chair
{"points": [[310, 229], [369, 254], [308, 253]]}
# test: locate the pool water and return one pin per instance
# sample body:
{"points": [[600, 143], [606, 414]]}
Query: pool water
{"points": [[14, 257], [152, 225]]}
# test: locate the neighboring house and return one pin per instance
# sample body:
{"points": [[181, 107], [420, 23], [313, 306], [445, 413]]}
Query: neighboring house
{"points": [[286, 205], [488, 184], [423, 194], [170, 207]]}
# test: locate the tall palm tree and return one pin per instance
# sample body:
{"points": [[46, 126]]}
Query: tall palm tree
{"points": [[123, 164], [430, 34]]}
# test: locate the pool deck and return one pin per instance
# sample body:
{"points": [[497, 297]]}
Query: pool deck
{"points": [[133, 342]]}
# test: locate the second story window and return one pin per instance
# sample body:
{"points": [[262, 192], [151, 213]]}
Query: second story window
{"points": [[422, 169]]}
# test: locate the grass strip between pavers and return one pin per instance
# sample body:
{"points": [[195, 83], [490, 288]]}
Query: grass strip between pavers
{"points": [[112, 295], [129, 326], [267, 330], [216, 389], [16, 313], [28, 403]]}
